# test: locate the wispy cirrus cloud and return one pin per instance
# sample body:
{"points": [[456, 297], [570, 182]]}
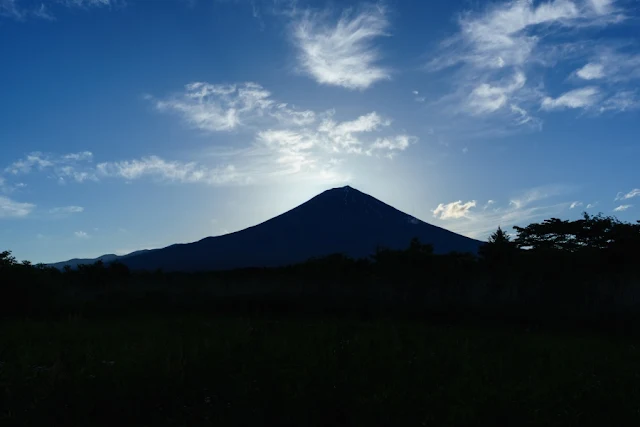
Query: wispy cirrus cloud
{"points": [[286, 139], [342, 53], [172, 171], [67, 167], [307, 147], [486, 98], [498, 60], [81, 234], [630, 195], [622, 208], [578, 98], [391, 146], [591, 72], [611, 64], [66, 210], [11, 209], [21, 10], [575, 205], [281, 141], [225, 107]]}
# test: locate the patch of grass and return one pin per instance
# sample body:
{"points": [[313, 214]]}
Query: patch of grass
{"points": [[192, 371]]}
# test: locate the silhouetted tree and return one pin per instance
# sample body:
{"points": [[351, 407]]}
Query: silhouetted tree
{"points": [[6, 259], [499, 248]]}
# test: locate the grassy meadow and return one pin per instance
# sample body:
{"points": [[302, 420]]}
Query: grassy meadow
{"points": [[204, 370]]}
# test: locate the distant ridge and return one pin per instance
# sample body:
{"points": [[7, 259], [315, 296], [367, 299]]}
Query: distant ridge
{"points": [[74, 263], [339, 220]]}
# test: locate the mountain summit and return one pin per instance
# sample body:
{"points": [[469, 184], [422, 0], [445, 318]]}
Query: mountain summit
{"points": [[340, 220]]}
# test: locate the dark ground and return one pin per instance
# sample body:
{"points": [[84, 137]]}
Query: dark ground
{"points": [[192, 370]]}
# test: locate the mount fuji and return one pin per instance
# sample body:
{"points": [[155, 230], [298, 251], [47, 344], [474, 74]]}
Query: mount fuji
{"points": [[340, 220]]}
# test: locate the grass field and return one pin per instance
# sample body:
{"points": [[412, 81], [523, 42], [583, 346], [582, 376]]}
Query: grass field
{"points": [[193, 371]]}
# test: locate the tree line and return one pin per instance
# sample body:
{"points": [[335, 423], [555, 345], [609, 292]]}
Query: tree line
{"points": [[566, 266]]}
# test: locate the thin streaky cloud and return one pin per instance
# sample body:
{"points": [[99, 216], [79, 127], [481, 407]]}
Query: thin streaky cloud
{"points": [[342, 53], [21, 10], [66, 210], [575, 205], [622, 208], [631, 194], [226, 107], [501, 54], [172, 171], [591, 72], [611, 63], [578, 98], [12, 209], [626, 100]]}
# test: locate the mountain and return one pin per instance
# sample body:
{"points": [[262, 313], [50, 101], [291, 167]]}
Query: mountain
{"points": [[75, 262], [341, 220]]}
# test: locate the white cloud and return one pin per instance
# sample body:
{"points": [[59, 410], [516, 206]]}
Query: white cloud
{"points": [[391, 145], [522, 117], [87, 3], [43, 13], [12, 209], [521, 210], [66, 210], [537, 194], [342, 54], [287, 138], [502, 36], [578, 98], [20, 10], [34, 160], [575, 205], [174, 171], [10, 9], [287, 141], [222, 107], [68, 166], [591, 72], [343, 136], [622, 208], [611, 64], [486, 98], [631, 194], [453, 210], [306, 146], [81, 156], [602, 7], [522, 39], [81, 235], [622, 101], [489, 203]]}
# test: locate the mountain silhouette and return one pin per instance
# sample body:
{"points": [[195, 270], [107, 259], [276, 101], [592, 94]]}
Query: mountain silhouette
{"points": [[75, 262], [340, 220]]}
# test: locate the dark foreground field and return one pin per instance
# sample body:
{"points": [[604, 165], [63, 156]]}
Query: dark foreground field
{"points": [[192, 371]]}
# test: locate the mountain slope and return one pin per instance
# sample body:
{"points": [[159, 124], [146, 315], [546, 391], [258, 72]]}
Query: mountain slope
{"points": [[75, 262], [339, 220]]}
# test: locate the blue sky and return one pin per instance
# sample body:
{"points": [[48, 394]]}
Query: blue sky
{"points": [[130, 124]]}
